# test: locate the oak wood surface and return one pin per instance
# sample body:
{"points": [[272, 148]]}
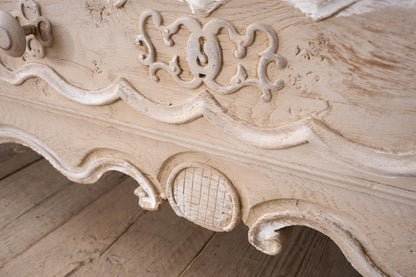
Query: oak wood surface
{"points": [[155, 245], [26, 189], [14, 157], [307, 253], [104, 233], [82, 238], [47, 215], [338, 138]]}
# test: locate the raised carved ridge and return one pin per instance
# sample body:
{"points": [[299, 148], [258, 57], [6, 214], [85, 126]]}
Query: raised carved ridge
{"points": [[119, 3], [205, 60], [267, 220], [204, 7], [42, 35], [94, 165], [308, 130]]}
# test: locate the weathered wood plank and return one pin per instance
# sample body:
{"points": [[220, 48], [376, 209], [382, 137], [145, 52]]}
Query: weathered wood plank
{"points": [[31, 226], [81, 239], [13, 157], [158, 244], [307, 253], [27, 188]]}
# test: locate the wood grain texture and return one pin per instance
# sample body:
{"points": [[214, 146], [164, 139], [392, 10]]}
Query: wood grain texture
{"points": [[268, 184], [47, 215], [26, 189], [15, 157], [204, 196], [315, 51], [155, 245], [337, 137], [145, 248], [303, 255], [85, 236]]}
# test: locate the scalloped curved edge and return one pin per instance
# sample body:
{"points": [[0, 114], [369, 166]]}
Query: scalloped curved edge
{"points": [[265, 233], [93, 167], [307, 130]]}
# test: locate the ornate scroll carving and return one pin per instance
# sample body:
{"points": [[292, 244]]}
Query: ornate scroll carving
{"points": [[308, 130], [204, 196], [204, 54], [92, 168], [40, 27], [267, 220]]}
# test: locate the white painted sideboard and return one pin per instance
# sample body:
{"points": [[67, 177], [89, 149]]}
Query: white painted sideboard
{"points": [[273, 113]]}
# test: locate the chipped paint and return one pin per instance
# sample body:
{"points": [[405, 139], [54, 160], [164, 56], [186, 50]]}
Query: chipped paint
{"points": [[321, 9]]}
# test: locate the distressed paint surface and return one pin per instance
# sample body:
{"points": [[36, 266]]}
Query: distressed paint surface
{"points": [[321, 9], [338, 136]]}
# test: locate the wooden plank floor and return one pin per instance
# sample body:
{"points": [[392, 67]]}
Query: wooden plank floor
{"points": [[50, 226]]}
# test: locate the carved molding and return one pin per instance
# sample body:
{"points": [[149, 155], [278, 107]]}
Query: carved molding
{"points": [[204, 7], [204, 196], [94, 165], [308, 130], [200, 7], [320, 9], [204, 54], [267, 220], [119, 3], [323, 9], [41, 37]]}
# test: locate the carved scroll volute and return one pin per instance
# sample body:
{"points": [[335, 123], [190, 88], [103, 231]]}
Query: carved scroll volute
{"points": [[20, 33], [268, 232], [204, 54], [12, 35]]}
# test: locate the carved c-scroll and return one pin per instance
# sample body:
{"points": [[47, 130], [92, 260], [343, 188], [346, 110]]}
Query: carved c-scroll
{"points": [[94, 165], [308, 130], [41, 36], [205, 60], [267, 220]]}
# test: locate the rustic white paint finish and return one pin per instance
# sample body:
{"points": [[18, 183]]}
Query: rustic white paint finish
{"points": [[204, 196], [204, 54], [333, 149], [265, 232], [12, 36], [203, 7], [368, 6], [315, 9], [92, 168], [25, 31], [203, 104], [320, 9]]}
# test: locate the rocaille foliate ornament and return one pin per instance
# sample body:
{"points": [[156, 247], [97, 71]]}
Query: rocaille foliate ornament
{"points": [[204, 54]]}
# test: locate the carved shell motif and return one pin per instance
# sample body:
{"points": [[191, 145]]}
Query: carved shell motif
{"points": [[203, 7], [204, 196]]}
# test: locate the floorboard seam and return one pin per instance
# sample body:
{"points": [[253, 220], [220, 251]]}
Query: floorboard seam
{"points": [[197, 255], [63, 187], [82, 264], [21, 168], [123, 178], [122, 233], [75, 269]]}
